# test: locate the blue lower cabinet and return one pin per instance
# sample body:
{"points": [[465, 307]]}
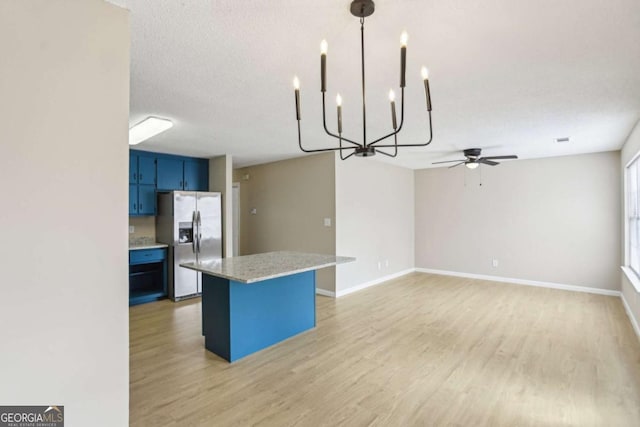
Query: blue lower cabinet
{"points": [[147, 275], [239, 319]]}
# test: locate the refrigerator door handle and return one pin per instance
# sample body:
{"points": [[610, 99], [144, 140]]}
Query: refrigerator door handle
{"points": [[194, 231], [199, 220]]}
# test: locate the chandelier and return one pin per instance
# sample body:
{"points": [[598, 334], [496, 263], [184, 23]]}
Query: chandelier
{"points": [[362, 9]]}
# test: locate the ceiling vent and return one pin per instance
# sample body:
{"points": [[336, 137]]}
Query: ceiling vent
{"points": [[562, 140]]}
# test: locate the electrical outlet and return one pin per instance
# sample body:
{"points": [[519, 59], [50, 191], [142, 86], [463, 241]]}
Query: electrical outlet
{"points": [[254, 211], [327, 222], [132, 229], [495, 263]]}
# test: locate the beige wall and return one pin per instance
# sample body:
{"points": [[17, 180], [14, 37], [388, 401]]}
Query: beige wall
{"points": [[551, 220], [374, 220], [628, 152], [64, 104], [220, 180], [291, 198]]}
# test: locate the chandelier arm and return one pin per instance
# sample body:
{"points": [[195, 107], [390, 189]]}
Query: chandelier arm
{"points": [[324, 123], [416, 145], [395, 132], [341, 156], [395, 153], [318, 150]]}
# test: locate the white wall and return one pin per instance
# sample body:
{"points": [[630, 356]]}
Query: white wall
{"points": [[629, 292], [374, 220], [549, 220], [64, 110]]}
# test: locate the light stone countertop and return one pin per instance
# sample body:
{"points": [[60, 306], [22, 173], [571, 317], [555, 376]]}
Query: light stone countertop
{"points": [[137, 247], [255, 268]]}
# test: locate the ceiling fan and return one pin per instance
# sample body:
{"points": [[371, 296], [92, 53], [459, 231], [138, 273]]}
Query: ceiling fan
{"points": [[473, 159]]}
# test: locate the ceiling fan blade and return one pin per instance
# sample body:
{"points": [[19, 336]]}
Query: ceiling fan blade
{"points": [[448, 161], [488, 162], [461, 163], [512, 156]]}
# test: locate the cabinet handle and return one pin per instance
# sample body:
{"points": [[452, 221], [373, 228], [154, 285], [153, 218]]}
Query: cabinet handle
{"points": [[135, 176], [186, 185], [180, 184], [140, 177], [135, 206], [140, 206]]}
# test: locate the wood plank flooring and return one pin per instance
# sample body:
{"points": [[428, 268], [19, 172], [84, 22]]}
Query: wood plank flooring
{"points": [[421, 350]]}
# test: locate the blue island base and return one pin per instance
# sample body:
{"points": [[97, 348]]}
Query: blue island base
{"points": [[239, 319]]}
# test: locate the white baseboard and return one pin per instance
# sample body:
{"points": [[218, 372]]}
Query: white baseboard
{"points": [[325, 293], [632, 319], [525, 282], [373, 282]]}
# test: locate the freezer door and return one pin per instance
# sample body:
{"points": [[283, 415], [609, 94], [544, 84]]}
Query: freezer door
{"points": [[184, 208], [185, 281], [209, 226]]}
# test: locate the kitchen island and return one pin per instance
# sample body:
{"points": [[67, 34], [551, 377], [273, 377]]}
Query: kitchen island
{"points": [[252, 302]]}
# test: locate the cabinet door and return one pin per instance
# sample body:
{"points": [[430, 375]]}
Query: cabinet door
{"points": [[133, 168], [146, 199], [146, 170], [170, 174], [133, 199], [196, 175]]}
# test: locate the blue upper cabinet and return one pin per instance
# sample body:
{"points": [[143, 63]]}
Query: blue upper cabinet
{"points": [[196, 175], [146, 170], [151, 172], [176, 173], [133, 168], [142, 168], [142, 199], [146, 199], [170, 173]]}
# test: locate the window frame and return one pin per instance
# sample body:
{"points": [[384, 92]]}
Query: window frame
{"points": [[634, 162]]}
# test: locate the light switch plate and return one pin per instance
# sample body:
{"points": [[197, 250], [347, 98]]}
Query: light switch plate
{"points": [[254, 211], [132, 229], [327, 222]]}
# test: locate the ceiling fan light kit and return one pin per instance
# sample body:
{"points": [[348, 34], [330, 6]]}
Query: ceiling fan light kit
{"points": [[362, 9], [473, 159]]}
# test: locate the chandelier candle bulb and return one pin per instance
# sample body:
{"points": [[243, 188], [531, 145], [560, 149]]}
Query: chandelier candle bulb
{"points": [[403, 57], [392, 98], [339, 102], [296, 86], [427, 92], [323, 65]]}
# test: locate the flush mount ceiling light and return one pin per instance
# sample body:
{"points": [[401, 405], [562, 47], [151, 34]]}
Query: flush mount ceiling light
{"points": [[151, 126], [362, 9]]}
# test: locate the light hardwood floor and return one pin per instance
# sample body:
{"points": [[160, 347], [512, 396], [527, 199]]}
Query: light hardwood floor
{"points": [[421, 350]]}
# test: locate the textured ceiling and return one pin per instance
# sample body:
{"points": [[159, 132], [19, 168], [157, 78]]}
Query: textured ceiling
{"points": [[506, 75]]}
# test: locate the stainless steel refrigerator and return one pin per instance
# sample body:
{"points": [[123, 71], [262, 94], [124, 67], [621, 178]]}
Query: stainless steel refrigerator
{"points": [[191, 224]]}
